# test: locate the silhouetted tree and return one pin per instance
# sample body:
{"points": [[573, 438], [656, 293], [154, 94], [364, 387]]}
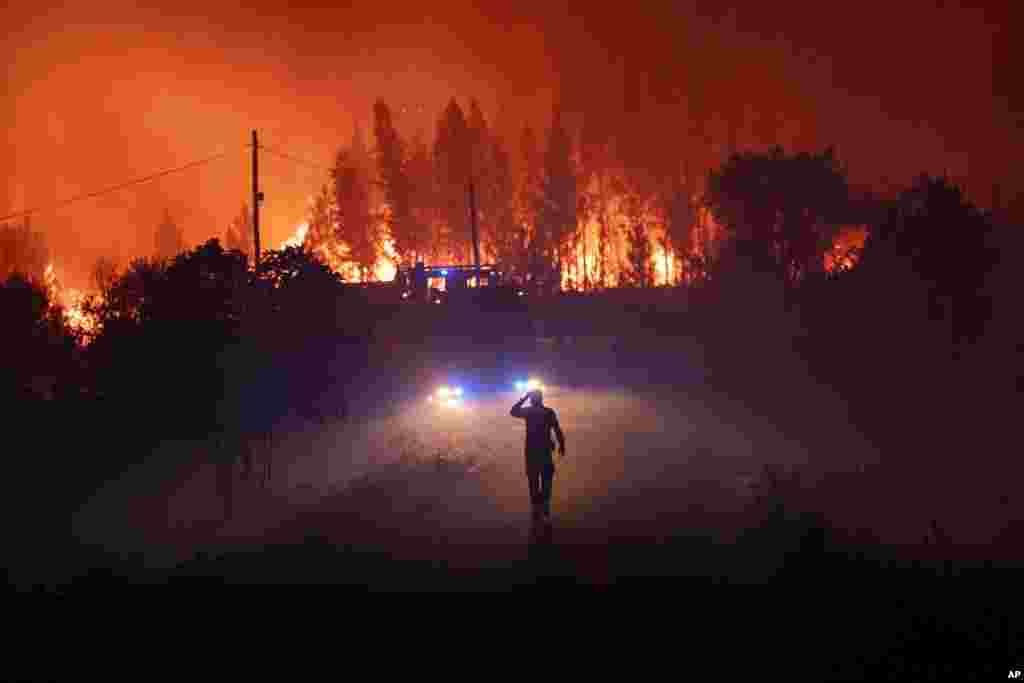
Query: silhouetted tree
{"points": [[104, 275], [481, 167], [420, 171], [781, 209], [200, 286], [681, 216], [395, 183], [597, 161], [934, 233], [527, 203], [131, 292], [322, 220], [36, 340], [557, 215], [639, 273], [453, 162], [355, 225], [165, 334], [501, 229]]}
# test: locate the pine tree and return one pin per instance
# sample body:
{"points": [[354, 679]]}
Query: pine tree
{"points": [[527, 203], [355, 225], [394, 183], [640, 273], [596, 164], [482, 172], [420, 172], [680, 212], [321, 235], [453, 164], [503, 230], [558, 196]]}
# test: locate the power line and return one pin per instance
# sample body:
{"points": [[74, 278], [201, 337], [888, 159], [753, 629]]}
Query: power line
{"points": [[98, 193], [295, 159]]}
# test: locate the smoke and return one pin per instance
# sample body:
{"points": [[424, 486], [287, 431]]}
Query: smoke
{"points": [[100, 93]]}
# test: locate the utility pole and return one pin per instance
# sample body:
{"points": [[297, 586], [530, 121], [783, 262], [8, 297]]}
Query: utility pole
{"points": [[257, 196], [476, 237]]}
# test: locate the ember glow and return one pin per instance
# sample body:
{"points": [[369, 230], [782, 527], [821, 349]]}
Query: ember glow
{"points": [[72, 304], [297, 239], [666, 265], [337, 258], [845, 250]]}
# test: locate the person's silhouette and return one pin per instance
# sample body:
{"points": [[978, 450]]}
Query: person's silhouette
{"points": [[540, 467]]}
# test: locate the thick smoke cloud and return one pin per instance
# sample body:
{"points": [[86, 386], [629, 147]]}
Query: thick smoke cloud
{"points": [[98, 93]]}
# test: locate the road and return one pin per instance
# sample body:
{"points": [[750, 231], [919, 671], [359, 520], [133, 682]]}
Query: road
{"points": [[652, 450]]}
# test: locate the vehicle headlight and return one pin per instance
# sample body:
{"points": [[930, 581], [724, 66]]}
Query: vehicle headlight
{"points": [[533, 384], [443, 392]]}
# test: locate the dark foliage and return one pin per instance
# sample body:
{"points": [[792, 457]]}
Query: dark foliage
{"points": [[783, 210], [934, 236], [39, 351]]}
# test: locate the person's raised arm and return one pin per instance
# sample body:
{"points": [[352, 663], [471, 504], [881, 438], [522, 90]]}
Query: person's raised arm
{"points": [[517, 409]]}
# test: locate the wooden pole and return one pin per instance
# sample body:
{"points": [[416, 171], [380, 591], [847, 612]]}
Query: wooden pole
{"points": [[257, 196]]}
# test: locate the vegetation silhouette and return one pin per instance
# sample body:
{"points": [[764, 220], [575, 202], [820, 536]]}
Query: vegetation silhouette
{"points": [[201, 345]]}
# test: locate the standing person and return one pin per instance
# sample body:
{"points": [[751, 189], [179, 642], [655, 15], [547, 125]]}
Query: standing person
{"points": [[540, 468]]}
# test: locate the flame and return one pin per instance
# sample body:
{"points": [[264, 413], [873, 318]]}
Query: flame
{"points": [[71, 303], [385, 270], [298, 238], [336, 256], [844, 253], [667, 266]]}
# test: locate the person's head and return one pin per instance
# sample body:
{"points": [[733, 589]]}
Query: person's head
{"points": [[537, 397]]}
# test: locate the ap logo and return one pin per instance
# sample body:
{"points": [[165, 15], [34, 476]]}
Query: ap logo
{"points": [[1014, 674]]}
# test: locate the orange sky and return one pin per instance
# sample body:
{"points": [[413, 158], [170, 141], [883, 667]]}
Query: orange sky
{"points": [[97, 93]]}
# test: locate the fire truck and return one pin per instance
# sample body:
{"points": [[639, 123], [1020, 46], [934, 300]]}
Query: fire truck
{"points": [[450, 283]]}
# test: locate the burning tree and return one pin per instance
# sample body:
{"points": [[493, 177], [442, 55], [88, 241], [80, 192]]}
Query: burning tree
{"points": [[556, 218], [396, 185], [420, 172], [453, 168], [639, 273], [354, 225]]}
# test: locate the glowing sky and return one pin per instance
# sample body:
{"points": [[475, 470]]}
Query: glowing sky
{"points": [[97, 93]]}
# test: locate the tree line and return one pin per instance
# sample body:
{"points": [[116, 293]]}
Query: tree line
{"points": [[564, 211]]}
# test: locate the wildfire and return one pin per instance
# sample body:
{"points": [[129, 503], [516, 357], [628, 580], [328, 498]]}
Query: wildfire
{"points": [[667, 266], [385, 269], [71, 302], [297, 239], [844, 253], [337, 257]]}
